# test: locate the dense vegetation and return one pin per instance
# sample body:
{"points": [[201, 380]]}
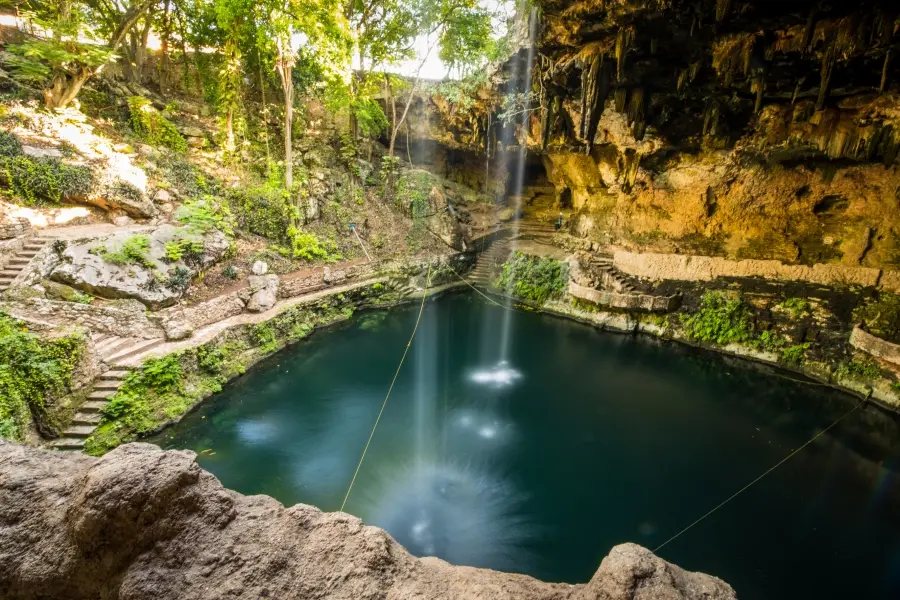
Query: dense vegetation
{"points": [[32, 372], [534, 279]]}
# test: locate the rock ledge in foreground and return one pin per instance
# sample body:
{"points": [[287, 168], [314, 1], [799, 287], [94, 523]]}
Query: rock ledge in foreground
{"points": [[141, 523]]}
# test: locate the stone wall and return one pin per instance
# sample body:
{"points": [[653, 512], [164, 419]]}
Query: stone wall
{"points": [[126, 318], [640, 302], [683, 267], [877, 347]]}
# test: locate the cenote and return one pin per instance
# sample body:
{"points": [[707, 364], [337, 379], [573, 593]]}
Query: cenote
{"points": [[578, 441]]}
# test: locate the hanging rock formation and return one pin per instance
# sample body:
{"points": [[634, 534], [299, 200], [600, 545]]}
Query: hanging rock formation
{"points": [[737, 128], [141, 523]]}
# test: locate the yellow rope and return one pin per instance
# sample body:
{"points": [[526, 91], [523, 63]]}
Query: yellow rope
{"points": [[746, 487], [390, 389]]}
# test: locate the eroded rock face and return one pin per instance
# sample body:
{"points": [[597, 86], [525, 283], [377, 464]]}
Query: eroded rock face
{"points": [[141, 523], [154, 281]]}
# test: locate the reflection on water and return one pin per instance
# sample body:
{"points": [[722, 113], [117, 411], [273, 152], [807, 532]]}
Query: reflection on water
{"points": [[581, 441], [463, 514]]}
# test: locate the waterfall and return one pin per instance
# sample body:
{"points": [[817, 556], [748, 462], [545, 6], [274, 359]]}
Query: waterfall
{"points": [[521, 84]]}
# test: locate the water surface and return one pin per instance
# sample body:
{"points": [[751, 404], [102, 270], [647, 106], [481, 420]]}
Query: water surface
{"points": [[580, 441]]}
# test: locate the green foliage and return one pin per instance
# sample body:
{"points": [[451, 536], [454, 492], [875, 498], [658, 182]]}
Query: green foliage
{"points": [[186, 176], [532, 278], [794, 354], [131, 405], [216, 358], [32, 370], [151, 126], [174, 250], [265, 337], [82, 298], [413, 189], [231, 272], [133, 251], [796, 307], [179, 279], [264, 210], [770, 341], [865, 369], [204, 215], [881, 316], [307, 246], [38, 180], [721, 319]]}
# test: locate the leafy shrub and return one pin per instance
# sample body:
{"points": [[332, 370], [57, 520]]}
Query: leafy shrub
{"points": [[31, 371], [770, 341], [186, 176], [881, 316], [151, 126], [9, 145], [264, 210], [38, 180], [533, 278], [179, 279], [202, 216], [265, 337], [306, 246], [134, 250], [174, 250], [230, 272], [794, 354], [721, 319], [412, 193], [124, 189], [156, 376]]}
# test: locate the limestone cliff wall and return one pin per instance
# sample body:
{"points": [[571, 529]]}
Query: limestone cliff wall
{"points": [[141, 523], [736, 128]]}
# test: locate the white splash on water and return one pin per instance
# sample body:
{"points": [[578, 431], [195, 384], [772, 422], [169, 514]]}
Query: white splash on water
{"points": [[500, 375]]}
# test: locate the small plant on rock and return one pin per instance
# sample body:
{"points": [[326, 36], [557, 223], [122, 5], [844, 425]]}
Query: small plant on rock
{"points": [[134, 250], [532, 278], [151, 126], [721, 319]]}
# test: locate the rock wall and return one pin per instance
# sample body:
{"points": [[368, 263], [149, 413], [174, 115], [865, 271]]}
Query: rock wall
{"points": [[141, 523]]}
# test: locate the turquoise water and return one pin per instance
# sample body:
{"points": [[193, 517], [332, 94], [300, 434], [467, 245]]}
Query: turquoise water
{"points": [[581, 441]]}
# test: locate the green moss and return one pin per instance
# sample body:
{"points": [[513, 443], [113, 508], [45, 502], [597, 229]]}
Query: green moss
{"points": [[152, 127], [721, 319], [796, 307], [865, 369], [881, 316], [532, 278], [794, 354], [264, 336], [32, 370]]}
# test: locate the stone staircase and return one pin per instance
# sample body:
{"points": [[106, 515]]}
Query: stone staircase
{"points": [[88, 415], [489, 262], [20, 260], [115, 351], [613, 279]]}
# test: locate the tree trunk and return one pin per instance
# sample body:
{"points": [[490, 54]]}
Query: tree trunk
{"points": [[286, 70], [229, 131], [65, 88], [164, 35]]}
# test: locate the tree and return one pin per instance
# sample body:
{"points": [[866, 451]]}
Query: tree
{"points": [[61, 59]]}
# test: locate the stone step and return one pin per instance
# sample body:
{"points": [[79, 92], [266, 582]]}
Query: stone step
{"points": [[29, 254], [87, 418], [110, 346], [115, 375], [10, 272], [93, 406], [33, 248], [79, 431], [108, 384], [68, 444], [101, 394], [134, 350], [19, 261]]}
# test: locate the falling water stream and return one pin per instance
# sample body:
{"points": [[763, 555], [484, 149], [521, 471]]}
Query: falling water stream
{"points": [[594, 439]]}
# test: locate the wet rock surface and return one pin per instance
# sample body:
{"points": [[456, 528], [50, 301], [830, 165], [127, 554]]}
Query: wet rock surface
{"points": [[142, 523]]}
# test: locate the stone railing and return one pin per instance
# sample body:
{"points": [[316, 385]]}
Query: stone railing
{"points": [[127, 318], [642, 302], [682, 267], [875, 346]]}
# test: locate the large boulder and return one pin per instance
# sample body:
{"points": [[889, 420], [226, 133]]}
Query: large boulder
{"points": [[143, 524], [92, 265]]}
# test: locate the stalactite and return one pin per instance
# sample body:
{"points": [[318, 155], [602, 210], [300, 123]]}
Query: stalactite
{"points": [[636, 106], [722, 8], [550, 112], [654, 46], [884, 71], [809, 30], [624, 39], [682, 80], [621, 97], [828, 60], [711, 118], [631, 165], [595, 87], [694, 69], [758, 85], [796, 92]]}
